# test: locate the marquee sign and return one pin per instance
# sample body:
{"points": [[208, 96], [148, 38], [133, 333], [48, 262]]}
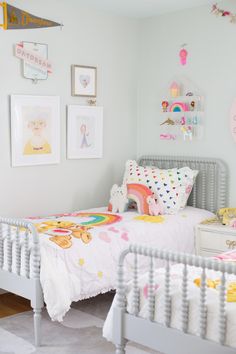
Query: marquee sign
{"points": [[34, 56]]}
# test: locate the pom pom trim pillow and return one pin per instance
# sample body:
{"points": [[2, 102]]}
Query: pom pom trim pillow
{"points": [[171, 187]]}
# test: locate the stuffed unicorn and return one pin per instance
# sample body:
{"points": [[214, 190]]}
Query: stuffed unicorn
{"points": [[118, 200], [155, 208]]}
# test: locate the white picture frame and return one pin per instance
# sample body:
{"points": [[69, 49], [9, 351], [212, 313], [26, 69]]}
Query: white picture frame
{"points": [[83, 81], [35, 130], [84, 132]]}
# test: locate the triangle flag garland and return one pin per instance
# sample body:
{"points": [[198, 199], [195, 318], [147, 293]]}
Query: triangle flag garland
{"points": [[15, 18]]}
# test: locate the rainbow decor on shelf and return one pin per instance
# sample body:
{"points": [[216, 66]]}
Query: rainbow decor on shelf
{"points": [[139, 193], [178, 107]]}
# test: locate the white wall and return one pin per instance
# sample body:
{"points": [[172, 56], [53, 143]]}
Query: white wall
{"points": [[88, 38], [211, 66], [124, 51]]}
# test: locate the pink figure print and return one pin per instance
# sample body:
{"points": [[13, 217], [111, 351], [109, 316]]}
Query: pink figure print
{"points": [[85, 134]]}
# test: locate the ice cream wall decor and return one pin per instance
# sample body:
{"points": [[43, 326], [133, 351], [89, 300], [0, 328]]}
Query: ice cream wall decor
{"points": [[174, 89]]}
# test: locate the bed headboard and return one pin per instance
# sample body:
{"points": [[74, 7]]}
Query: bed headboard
{"points": [[210, 190]]}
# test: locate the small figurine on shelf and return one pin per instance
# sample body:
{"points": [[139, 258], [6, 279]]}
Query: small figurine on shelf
{"points": [[174, 89], [192, 105], [183, 121], [177, 121], [187, 132], [167, 137], [189, 120], [168, 121], [165, 105], [189, 93], [195, 120]]}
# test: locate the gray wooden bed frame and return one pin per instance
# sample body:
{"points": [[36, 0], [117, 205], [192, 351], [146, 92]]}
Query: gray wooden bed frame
{"points": [[209, 192], [132, 327]]}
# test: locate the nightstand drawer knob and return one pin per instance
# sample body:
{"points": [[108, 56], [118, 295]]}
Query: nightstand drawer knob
{"points": [[231, 244]]}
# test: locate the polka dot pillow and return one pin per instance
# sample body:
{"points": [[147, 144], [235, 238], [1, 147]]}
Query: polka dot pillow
{"points": [[170, 187], [139, 174]]}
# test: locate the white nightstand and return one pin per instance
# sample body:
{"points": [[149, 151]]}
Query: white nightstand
{"points": [[213, 239]]}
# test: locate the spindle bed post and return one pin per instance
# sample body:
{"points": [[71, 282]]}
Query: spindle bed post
{"points": [[20, 270], [119, 339]]}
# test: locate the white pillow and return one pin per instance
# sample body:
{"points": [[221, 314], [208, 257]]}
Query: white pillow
{"points": [[170, 187]]}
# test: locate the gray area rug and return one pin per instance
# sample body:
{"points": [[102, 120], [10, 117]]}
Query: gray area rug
{"points": [[79, 333]]}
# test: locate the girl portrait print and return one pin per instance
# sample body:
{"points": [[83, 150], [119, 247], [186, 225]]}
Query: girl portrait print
{"points": [[36, 131]]}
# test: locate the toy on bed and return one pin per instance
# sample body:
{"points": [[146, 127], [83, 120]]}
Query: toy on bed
{"points": [[118, 201], [227, 216], [155, 208], [215, 284]]}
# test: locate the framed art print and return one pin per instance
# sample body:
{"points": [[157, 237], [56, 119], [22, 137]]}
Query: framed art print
{"points": [[84, 81], [84, 132], [35, 130]]}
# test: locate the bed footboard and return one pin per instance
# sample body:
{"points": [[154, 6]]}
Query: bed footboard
{"points": [[162, 337], [20, 265]]}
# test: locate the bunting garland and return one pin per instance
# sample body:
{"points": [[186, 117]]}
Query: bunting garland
{"points": [[223, 13]]}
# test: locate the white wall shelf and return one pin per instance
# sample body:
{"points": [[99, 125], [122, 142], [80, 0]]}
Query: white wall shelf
{"points": [[182, 117]]}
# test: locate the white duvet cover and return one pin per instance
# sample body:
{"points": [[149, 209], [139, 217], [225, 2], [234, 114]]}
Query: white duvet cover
{"points": [[176, 297], [79, 251]]}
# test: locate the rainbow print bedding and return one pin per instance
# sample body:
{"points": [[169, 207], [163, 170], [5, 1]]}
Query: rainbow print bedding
{"points": [[79, 251]]}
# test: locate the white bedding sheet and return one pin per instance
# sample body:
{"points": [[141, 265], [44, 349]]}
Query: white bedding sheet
{"points": [[176, 298], [85, 270]]}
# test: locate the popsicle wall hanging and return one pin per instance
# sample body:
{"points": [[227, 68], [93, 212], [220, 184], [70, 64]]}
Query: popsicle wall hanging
{"points": [[14, 18], [183, 54]]}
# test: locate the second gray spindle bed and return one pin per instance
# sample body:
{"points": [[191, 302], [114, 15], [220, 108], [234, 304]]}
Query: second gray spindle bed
{"points": [[147, 332]]}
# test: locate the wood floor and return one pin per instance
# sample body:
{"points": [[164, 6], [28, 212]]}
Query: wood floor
{"points": [[11, 304]]}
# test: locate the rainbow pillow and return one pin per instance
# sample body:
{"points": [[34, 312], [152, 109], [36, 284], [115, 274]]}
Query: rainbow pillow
{"points": [[171, 187], [138, 193]]}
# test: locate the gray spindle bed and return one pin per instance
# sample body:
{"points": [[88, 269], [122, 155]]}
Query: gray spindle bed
{"points": [[161, 337], [210, 192]]}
